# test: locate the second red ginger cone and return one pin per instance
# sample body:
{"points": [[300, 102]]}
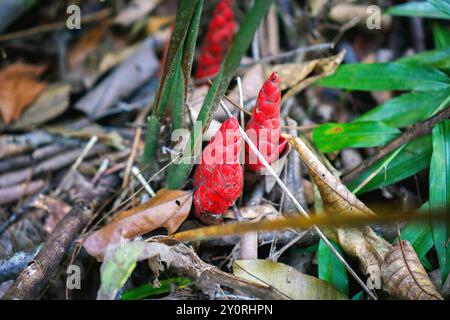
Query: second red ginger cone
{"points": [[264, 126], [218, 178], [218, 38]]}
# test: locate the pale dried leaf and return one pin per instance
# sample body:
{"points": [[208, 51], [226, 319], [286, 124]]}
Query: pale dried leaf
{"points": [[362, 243], [285, 279], [294, 77], [405, 277], [336, 197], [253, 212], [19, 87], [136, 9], [167, 209]]}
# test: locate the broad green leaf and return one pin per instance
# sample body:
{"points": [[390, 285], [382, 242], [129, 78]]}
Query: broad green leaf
{"points": [[120, 261], [358, 296], [441, 36], [414, 158], [241, 42], [386, 76], [442, 5], [337, 136], [419, 234], [417, 9], [291, 283], [439, 58], [331, 269], [408, 108], [148, 290], [440, 193]]}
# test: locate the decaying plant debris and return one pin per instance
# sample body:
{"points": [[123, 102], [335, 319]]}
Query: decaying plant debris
{"points": [[101, 127]]}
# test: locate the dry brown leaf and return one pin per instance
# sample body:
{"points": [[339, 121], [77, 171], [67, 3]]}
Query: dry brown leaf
{"points": [[19, 87], [167, 209], [86, 44], [405, 277], [56, 209], [253, 212], [362, 243], [294, 77], [336, 197]]}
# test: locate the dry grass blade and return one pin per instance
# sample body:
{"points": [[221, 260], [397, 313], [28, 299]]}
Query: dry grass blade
{"points": [[405, 277], [168, 209]]}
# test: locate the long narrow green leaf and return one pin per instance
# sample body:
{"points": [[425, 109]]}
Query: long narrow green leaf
{"points": [[440, 192], [442, 5], [331, 269], [241, 43], [386, 76], [439, 58], [408, 108], [188, 10], [419, 234], [441, 36], [417, 9], [337, 136], [147, 290], [414, 158]]}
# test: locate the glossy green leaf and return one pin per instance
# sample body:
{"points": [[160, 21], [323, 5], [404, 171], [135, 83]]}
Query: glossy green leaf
{"points": [[417, 9], [241, 42], [358, 296], [147, 290], [440, 193], [441, 36], [386, 76], [419, 234], [442, 5], [414, 158], [408, 108], [331, 269], [337, 136], [439, 58], [291, 283]]}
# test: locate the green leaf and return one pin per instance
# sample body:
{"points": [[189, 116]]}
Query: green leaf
{"points": [[185, 27], [414, 158], [148, 290], [337, 136], [417, 9], [419, 234], [439, 58], [440, 193], [442, 5], [291, 283], [241, 42], [386, 76], [441, 36], [331, 269], [358, 296], [120, 260], [408, 108]]}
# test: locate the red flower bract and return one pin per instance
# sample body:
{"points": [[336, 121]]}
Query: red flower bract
{"points": [[218, 39], [264, 126], [218, 178]]}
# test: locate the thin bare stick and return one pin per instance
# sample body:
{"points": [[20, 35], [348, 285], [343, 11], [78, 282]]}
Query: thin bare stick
{"points": [[298, 206], [414, 132]]}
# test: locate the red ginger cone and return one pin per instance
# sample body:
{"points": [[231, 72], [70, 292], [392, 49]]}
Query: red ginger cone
{"points": [[218, 178], [264, 126], [218, 39]]}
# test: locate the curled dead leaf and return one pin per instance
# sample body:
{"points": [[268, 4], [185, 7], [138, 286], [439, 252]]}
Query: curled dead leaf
{"points": [[297, 76], [405, 277], [19, 87], [167, 209], [56, 209]]}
